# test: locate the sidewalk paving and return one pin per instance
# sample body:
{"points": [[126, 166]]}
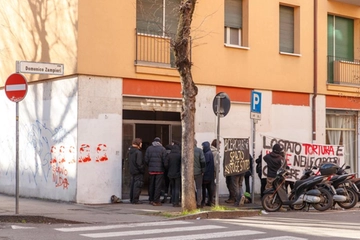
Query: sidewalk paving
{"points": [[111, 213]]}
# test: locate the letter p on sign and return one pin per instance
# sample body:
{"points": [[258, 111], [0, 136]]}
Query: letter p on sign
{"points": [[255, 102]]}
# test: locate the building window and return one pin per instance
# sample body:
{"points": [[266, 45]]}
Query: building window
{"points": [[234, 22], [341, 130], [157, 17], [342, 67], [287, 24]]}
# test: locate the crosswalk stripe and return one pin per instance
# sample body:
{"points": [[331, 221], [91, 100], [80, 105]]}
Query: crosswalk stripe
{"points": [[207, 235], [151, 231], [132, 225], [282, 238]]}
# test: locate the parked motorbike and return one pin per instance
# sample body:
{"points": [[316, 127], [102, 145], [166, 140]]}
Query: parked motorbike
{"points": [[344, 192], [305, 192], [344, 186]]}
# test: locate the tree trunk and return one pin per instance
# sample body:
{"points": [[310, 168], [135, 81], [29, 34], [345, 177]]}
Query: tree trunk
{"points": [[182, 47]]}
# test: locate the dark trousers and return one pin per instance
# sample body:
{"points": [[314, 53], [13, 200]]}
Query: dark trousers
{"points": [[175, 184], [156, 182], [247, 184], [230, 188], [237, 181], [263, 184], [208, 186], [136, 183], [198, 185]]}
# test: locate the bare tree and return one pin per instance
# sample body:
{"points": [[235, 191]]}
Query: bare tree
{"points": [[182, 48]]}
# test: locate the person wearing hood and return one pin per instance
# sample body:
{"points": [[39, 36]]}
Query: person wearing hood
{"points": [[154, 158], [208, 184], [137, 168], [274, 161], [173, 164]]}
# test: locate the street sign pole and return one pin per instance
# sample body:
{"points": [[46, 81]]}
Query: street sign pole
{"points": [[255, 115], [17, 160], [15, 90], [221, 107]]}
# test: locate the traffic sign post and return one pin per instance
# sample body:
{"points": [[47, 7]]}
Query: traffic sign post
{"points": [[15, 89], [221, 107], [255, 115]]}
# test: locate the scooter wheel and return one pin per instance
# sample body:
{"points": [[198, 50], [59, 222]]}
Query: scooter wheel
{"points": [[297, 206], [326, 200], [352, 199], [271, 202]]}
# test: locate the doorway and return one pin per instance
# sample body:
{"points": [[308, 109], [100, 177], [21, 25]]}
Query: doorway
{"points": [[164, 127]]}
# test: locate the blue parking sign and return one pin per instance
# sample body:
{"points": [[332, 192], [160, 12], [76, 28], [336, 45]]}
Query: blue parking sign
{"points": [[255, 102]]}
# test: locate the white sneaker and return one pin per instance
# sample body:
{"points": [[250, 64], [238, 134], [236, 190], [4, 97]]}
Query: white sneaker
{"points": [[242, 200]]}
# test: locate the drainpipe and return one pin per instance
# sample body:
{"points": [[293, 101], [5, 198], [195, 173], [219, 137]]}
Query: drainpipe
{"points": [[315, 74]]}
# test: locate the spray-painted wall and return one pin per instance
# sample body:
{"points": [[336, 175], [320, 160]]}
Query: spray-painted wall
{"points": [[99, 139], [70, 134], [47, 141]]}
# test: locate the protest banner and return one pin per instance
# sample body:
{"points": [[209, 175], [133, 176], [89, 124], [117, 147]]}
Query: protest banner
{"points": [[299, 155], [236, 156]]}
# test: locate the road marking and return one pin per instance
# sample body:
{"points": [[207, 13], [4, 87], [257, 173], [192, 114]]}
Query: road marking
{"points": [[132, 225], [282, 238], [20, 227], [151, 231], [207, 235]]}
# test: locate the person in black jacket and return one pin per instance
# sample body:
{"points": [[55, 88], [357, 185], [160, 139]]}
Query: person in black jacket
{"points": [[154, 157], [274, 161], [173, 166], [259, 172], [136, 166], [208, 183]]}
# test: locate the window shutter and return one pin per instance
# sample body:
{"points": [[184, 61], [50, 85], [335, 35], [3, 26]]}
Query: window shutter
{"points": [[286, 29], [233, 13]]}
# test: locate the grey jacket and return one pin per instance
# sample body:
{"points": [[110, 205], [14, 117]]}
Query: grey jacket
{"points": [[199, 161]]}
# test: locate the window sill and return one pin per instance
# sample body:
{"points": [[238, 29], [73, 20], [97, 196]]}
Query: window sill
{"points": [[156, 70], [236, 46], [291, 54]]}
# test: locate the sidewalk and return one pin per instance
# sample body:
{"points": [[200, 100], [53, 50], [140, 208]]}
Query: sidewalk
{"points": [[100, 213]]}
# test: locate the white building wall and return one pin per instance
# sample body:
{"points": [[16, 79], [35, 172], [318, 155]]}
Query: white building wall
{"points": [[47, 141], [99, 139]]}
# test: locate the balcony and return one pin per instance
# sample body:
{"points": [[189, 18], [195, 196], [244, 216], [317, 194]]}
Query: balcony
{"points": [[343, 71], [154, 49], [352, 2]]}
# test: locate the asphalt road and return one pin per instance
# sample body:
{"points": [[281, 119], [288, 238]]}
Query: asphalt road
{"points": [[292, 225]]}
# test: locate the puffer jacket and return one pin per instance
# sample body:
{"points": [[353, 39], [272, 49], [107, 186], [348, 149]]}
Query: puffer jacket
{"points": [[155, 156], [209, 163], [136, 164], [199, 161], [274, 161], [173, 162]]}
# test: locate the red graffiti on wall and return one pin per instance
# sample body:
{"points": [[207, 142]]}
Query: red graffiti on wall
{"points": [[58, 166], [84, 153], [72, 155], [101, 153]]}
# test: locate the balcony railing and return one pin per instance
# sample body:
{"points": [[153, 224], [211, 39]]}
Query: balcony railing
{"points": [[154, 49], [343, 71]]}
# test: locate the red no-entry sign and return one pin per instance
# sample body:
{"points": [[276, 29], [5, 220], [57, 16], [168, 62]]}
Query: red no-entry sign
{"points": [[16, 87]]}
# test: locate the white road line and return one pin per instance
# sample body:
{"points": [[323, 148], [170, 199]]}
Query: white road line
{"points": [[282, 238], [151, 231], [217, 235], [96, 228]]}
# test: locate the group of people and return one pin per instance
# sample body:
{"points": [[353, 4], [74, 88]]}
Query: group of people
{"points": [[164, 168]]}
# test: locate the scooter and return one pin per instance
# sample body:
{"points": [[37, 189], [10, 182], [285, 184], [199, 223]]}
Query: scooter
{"points": [[304, 192], [344, 192]]}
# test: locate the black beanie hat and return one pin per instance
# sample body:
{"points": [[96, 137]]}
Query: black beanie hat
{"points": [[277, 148], [157, 139]]}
